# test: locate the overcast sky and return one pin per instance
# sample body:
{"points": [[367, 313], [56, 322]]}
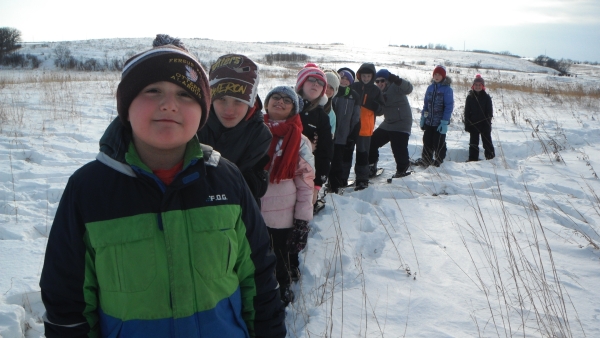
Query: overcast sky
{"points": [[557, 28]]}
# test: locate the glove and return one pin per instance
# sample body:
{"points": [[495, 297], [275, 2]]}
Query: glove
{"points": [[296, 241], [395, 79], [443, 127], [422, 123]]}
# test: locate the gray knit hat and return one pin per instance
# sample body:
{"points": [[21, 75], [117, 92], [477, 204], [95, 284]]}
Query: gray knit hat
{"points": [[333, 80], [289, 92]]}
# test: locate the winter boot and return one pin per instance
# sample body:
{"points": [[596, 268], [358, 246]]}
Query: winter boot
{"points": [[360, 185], [421, 163], [287, 295], [399, 174], [372, 170]]}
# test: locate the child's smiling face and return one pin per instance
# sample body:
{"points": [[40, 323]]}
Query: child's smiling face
{"points": [[164, 116]]}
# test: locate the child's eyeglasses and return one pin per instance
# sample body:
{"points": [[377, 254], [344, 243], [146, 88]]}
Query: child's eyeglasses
{"points": [[314, 79], [379, 81], [285, 99]]}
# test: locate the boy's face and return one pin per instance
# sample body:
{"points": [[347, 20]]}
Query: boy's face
{"points": [[344, 82], [477, 86], [229, 110], [437, 77], [164, 116], [366, 77]]}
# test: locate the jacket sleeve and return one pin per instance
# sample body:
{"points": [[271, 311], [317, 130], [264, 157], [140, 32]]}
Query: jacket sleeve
{"points": [[262, 308], [426, 100], [324, 152], [467, 115], [379, 102], [448, 104], [257, 178], [490, 108], [305, 174], [257, 148], [69, 292], [404, 88]]}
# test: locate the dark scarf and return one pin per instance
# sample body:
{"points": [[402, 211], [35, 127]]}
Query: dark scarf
{"points": [[285, 162]]}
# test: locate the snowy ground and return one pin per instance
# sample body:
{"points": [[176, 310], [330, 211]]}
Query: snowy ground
{"points": [[507, 247]]}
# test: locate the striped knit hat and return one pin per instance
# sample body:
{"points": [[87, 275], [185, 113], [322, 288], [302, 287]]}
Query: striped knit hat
{"points": [[310, 70], [170, 61]]}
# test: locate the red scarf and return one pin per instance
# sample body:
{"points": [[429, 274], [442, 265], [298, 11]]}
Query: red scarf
{"points": [[283, 164]]}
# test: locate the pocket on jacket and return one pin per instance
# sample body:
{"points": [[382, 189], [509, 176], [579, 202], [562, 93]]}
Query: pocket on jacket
{"points": [[214, 247], [125, 257]]}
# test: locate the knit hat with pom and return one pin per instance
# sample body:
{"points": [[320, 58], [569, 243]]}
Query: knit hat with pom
{"points": [[170, 61], [234, 75], [289, 92], [439, 69], [333, 80], [310, 70]]}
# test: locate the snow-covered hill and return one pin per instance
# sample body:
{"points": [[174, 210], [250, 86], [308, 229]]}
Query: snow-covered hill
{"points": [[502, 248]]}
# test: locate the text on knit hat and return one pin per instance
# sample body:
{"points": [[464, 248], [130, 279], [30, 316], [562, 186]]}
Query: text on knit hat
{"points": [[170, 62], [234, 75]]}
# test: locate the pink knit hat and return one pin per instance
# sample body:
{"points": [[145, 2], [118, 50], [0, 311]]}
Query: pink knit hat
{"points": [[310, 70]]}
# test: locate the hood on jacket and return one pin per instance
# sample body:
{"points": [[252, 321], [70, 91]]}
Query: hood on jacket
{"points": [[447, 81], [366, 67]]}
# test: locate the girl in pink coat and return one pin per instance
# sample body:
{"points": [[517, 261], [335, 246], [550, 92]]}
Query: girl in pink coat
{"points": [[287, 205]]}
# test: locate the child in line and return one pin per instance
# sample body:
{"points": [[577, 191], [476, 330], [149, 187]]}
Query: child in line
{"points": [[346, 104], [235, 125], [287, 206], [478, 120], [311, 84], [333, 84], [397, 122], [159, 236], [435, 117], [371, 102]]}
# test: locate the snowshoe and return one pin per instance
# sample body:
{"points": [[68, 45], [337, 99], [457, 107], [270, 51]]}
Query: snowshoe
{"points": [[287, 295], [420, 163], [319, 205], [399, 174]]}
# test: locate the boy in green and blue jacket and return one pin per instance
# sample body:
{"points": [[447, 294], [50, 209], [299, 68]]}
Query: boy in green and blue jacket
{"points": [[160, 236]]}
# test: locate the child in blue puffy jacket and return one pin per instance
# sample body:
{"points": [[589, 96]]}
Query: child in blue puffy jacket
{"points": [[435, 117]]}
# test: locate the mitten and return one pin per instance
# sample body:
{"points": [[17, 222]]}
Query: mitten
{"points": [[395, 79], [422, 123], [443, 127], [296, 241]]}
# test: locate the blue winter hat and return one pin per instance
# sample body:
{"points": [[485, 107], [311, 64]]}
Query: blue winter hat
{"points": [[347, 75], [384, 73], [289, 92]]}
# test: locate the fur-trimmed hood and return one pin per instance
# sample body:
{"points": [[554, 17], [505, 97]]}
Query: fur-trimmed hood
{"points": [[445, 82]]}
